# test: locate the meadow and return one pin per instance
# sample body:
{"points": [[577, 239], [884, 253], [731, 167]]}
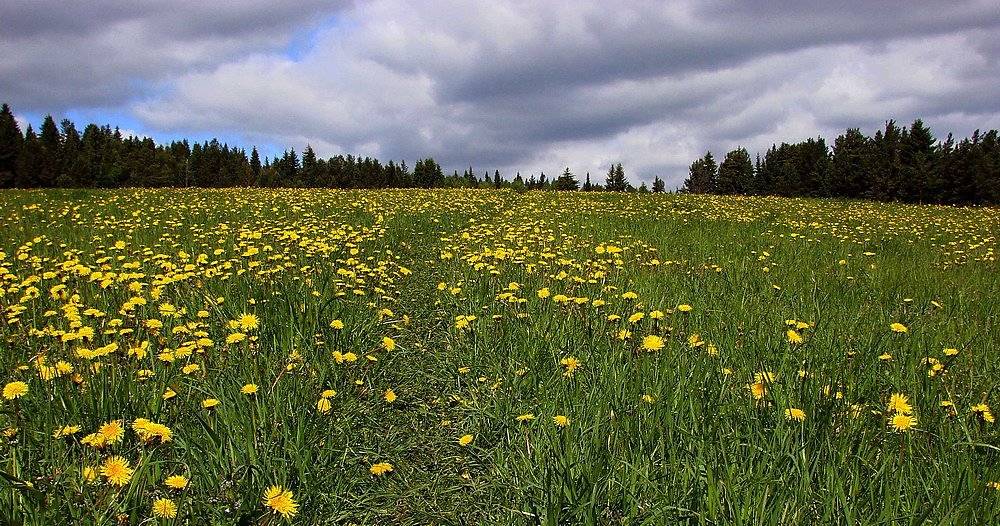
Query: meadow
{"points": [[253, 356]]}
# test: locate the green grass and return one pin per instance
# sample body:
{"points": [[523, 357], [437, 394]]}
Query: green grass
{"points": [[701, 449]]}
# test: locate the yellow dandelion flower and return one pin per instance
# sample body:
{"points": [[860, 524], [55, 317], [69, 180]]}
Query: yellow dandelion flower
{"points": [[248, 322], [388, 343], [465, 440], [380, 469], [116, 469], [899, 404], [209, 403], [164, 508], [561, 420], [15, 390], [249, 389], [902, 423], [389, 396], [280, 501], [684, 307], [795, 414], [112, 432], [176, 482], [526, 417], [653, 343], [793, 336], [898, 327], [323, 405]]}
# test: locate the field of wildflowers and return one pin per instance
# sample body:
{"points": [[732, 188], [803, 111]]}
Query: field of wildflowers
{"points": [[485, 357]]}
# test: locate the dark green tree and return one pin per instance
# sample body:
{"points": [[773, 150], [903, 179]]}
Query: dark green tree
{"points": [[735, 175], [658, 185], [702, 176], [616, 180], [567, 181], [30, 161], [11, 140]]}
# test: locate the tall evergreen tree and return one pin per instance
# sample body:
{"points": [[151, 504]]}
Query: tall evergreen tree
{"points": [[658, 185], [567, 181], [735, 175], [702, 176], [616, 180], [30, 161], [11, 140]]}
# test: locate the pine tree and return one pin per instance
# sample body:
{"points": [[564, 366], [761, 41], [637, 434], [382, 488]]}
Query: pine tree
{"points": [[11, 140], [51, 158], [702, 176], [567, 181], [658, 185], [616, 180], [309, 175], [29, 161], [735, 175]]}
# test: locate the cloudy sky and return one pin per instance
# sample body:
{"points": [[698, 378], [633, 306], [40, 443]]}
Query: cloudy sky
{"points": [[525, 86]]}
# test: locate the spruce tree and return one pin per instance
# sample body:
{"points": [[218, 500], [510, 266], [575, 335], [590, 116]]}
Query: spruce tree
{"points": [[11, 140], [567, 181]]}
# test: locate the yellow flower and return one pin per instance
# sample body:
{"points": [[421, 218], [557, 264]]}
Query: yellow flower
{"points": [[648, 399], [209, 403], [902, 423], [465, 440], [571, 363], [164, 508], [525, 417], [389, 396], [561, 420], [388, 343], [190, 368], [65, 431], [236, 337], [280, 501], [15, 390], [169, 393], [795, 414], [249, 389], [176, 482], [381, 468], [543, 293], [636, 317], [329, 393], [685, 307], [899, 404], [112, 432], [323, 405], [336, 325], [793, 337], [248, 322], [983, 411], [898, 327], [117, 471], [652, 343]]}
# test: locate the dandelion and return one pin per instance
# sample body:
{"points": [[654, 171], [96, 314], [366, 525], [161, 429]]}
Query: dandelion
{"points": [[526, 417], [248, 322], [176, 482], [280, 501], [323, 406], [899, 404], [684, 307], [209, 403], [793, 336], [389, 396], [249, 389], [465, 440], [15, 390], [336, 325], [571, 363], [164, 508], [983, 411], [795, 414], [388, 343], [112, 432], [561, 420], [898, 327], [380, 469], [652, 343], [117, 471], [901, 423], [649, 399], [636, 317]]}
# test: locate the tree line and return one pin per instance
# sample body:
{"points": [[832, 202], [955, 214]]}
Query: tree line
{"points": [[897, 164], [60, 156]]}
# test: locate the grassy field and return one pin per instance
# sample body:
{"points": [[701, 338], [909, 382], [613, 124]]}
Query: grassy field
{"points": [[478, 357]]}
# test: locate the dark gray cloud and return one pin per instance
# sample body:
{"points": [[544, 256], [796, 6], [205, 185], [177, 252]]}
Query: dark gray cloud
{"points": [[519, 85], [56, 55]]}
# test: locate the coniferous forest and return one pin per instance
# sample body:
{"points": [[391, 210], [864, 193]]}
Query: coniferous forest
{"points": [[896, 164]]}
